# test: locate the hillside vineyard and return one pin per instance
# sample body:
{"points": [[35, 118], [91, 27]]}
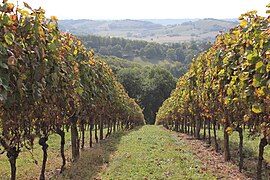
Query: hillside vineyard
{"points": [[53, 85]]}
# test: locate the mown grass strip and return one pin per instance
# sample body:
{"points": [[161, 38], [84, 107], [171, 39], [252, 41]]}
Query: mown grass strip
{"points": [[153, 153]]}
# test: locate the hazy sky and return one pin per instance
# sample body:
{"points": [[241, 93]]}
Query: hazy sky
{"points": [[147, 9]]}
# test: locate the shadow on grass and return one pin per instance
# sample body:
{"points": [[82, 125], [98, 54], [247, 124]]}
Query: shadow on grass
{"points": [[93, 160], [250, 158]]}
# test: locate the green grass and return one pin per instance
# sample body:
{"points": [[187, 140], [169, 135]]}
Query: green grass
{"points": [[251, 144], [29, 166], [93, 160], [153, 153], [29, 162]]}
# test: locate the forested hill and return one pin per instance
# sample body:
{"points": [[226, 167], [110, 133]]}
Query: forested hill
{"points": [[145, 69], [176, 57], [158, 31]]}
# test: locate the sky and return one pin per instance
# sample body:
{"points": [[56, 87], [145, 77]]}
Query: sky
{"points": [[147, 9]]}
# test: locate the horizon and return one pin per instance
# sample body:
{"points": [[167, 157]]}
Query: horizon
{"points": [[143, 19]]}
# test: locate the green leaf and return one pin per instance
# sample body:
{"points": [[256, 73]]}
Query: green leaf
{"points": [[7, 19], [225, 60], [4, 84], [80, 91], [229, 91], [3, 65], [9, 38], [252, 58], [52, 47], [25, 13], [256, 80], [227, 100], [221, 72], [249, 57], [259, 65], [235, 99]]}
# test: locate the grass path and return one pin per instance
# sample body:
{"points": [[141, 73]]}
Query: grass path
{"points": [[151, 152]]}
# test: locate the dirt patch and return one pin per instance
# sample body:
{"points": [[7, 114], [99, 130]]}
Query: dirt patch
{"points": [[212, 161]]}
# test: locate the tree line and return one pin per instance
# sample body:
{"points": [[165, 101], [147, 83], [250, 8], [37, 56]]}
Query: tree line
{"points": [[50, 84], [147, 51], [149, 84]]}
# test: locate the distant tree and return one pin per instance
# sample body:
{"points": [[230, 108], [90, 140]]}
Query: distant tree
{"points": [[194, 46], [115, 41], [132, 80], [150, 52], [103, 50], [180, 56], [189, 58], [171, 54], [116, 50], [95, 42], [128, 49], [139, 44], [149, 86], [157, 88]]}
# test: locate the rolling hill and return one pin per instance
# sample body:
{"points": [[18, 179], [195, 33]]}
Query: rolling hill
{"points": [[162, 31]]}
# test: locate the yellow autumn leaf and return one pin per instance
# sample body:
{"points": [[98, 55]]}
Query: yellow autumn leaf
{"points": [[229, 131], [11, 6], [256, 108], [244, 23], [256, 80], [261, 91], [41, 32], [91, 62], [25, 13], [268, 67], [54, 18]]}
